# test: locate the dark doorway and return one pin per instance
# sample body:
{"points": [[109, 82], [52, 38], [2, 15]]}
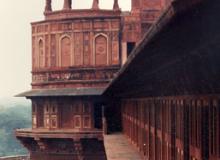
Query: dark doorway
{"points": [[98, 115], [66, 116], [113, 116], [130, 47]]}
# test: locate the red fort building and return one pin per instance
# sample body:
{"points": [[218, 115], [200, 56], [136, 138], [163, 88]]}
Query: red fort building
{"points": [[75, 54]]}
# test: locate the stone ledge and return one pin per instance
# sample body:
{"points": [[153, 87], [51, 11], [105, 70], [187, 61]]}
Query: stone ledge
{"points": [[25, 157]]}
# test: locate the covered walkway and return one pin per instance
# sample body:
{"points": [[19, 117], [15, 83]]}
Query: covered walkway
{"points": [[119, 148]]}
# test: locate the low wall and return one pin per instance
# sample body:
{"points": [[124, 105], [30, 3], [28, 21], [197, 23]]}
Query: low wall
{"points": [[15, 158]]}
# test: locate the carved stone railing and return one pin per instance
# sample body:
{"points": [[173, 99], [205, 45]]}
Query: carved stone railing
{"points": [[23, 157], [105, 74]]}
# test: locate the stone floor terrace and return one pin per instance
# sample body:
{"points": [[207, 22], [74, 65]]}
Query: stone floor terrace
{"points": [[119, 148]]}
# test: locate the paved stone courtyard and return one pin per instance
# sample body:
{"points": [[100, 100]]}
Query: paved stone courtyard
{"points": [[119, 148]]}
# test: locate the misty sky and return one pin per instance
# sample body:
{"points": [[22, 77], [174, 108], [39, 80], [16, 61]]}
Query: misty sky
{"points": [[15, 42]]}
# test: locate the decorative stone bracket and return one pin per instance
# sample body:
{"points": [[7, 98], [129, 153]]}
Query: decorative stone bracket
{"points": [[78, 149], [40, 143]]}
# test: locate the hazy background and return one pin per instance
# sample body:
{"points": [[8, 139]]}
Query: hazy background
{"points": [[15, 41]]}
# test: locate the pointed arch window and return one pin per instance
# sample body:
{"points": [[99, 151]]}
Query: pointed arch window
{"points": [[101, 50], [65, 52]]}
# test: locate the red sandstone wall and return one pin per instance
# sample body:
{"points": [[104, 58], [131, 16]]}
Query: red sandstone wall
{"points": [[60, 47], [75, 43]]}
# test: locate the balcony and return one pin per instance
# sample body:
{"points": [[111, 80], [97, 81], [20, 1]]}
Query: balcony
{"points": [[62, 133]]}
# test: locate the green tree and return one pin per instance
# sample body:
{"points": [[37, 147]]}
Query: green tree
{"points": [[12, 118]]}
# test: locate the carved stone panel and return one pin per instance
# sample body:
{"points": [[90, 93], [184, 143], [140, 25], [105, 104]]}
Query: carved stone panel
{"points": [[77, 26], [101, 50], [87, 51], [40, 115], [47, 121], [54, 122], [86, 121], [34, 56], [41, 28], [41, 53], [86, 25], [47, 55], [155, 4], [54, 27], [115, 53], [46, 115], [115, 25], [66, 26], [53, 50], [77, 121], [78, 49], [65, 52], [66, 115], [101, 25], [135, 4]]}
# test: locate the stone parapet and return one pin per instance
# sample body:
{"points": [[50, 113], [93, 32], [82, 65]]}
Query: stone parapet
{"points": [[81, 13]]}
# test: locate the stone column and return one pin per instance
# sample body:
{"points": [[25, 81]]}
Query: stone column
{"points": [[95, 4], [116, 6], [67, 5], [48, 7]]}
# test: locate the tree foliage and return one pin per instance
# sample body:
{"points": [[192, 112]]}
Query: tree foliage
{"points": [[12, 118]]}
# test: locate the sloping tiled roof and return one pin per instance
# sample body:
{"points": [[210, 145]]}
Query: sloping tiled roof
{"points": [[62, 92], [178, 55]]}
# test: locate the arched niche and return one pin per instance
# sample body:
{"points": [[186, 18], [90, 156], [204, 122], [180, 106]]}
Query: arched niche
{"points": [[101, 50], [65, 51], [41, 53]]}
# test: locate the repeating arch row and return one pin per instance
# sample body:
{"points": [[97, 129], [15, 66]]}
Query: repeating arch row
{"points": [[67, 56]]}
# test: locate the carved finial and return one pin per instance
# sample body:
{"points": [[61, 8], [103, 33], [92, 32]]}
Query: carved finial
{"points": [[48, 7], [67, 4], [116, 6], [95, 4]]}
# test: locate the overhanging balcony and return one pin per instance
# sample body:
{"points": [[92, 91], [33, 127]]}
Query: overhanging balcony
{"points": [[59, 133]]}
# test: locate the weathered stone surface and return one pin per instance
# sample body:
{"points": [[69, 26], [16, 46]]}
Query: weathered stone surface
{"points": [[118, 147]]}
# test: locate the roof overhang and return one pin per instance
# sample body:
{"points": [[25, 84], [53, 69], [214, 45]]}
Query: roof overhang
{"points": [[62, 92], [146, 59]]}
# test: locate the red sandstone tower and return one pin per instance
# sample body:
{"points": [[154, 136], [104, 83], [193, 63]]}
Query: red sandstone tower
{"points": [[75, 54]]}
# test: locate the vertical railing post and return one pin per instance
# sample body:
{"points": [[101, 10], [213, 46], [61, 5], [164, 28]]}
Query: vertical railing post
{"points": [[104, 123]]}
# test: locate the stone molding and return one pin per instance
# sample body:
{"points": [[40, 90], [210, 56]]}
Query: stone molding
{"points": [[23, 157]]}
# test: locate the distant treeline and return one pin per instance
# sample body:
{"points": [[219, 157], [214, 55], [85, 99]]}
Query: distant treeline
{"points": [[11, 118]]}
